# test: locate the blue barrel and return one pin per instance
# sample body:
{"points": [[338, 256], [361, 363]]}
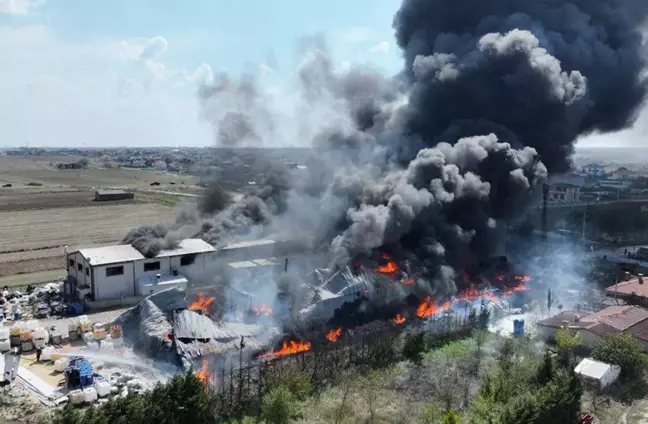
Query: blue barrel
{"points": [[518, 327]]}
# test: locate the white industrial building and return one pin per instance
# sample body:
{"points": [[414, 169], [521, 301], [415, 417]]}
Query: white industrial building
{"points": [[112, 273], [117, 272]]}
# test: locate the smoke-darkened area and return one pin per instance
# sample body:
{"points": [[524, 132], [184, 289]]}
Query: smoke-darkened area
{"points": [[434, 161], [536, 73]]}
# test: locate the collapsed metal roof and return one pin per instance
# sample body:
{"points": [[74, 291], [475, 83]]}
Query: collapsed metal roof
{"points": [[149, 324]]}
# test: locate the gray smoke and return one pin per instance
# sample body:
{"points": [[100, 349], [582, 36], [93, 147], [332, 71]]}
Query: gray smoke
{"points": [[432, 162]]}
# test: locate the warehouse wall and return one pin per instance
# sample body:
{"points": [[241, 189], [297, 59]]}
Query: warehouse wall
{"points": [[116, 286]]}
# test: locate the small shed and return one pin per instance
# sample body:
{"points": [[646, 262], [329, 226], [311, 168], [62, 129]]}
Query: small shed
{"points": [[599, 373], [104, 195]]}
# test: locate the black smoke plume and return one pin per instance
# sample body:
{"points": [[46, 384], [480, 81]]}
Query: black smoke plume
{"points": [[536, 73], [433, 161]]}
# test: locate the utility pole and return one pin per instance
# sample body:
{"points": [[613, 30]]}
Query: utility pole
{"points": [[545, 196]]}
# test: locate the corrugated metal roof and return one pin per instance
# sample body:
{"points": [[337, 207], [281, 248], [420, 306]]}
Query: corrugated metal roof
{"points": [[192, 325], [111, 254], [188, 247]]}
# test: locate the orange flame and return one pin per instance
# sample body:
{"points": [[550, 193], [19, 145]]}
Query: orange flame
{"points": [[399, 319], [167, 337], [290, 347], [334, 335], [522, 278], [427, 308], [203, 373], [471, 295], [507, 291], [263, 309], [408, 282], [389, 268], [202, 303]]}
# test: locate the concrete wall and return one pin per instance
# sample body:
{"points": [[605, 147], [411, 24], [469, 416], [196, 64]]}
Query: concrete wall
{"points": [[194, 269], [81, 275], [114, 287], [95, 305], [165, 267], [588, 339]]}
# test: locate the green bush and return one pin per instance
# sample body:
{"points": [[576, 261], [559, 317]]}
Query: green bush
{"points": [[279, 406], [293, 379], [183, 399], [414, 347], [623, 349]]}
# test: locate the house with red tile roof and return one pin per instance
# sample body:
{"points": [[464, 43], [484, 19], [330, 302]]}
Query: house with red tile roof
{"points": [[592, 328]]}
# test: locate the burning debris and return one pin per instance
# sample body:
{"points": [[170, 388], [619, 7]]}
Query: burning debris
{"points": [[290, 347], [203, 373], [202, 303], [333, 335], [264, 309], [399, 319]]}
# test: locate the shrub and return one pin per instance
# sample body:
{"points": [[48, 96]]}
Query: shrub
{"points": [[623, 350], [279, 406], [414, 347]]}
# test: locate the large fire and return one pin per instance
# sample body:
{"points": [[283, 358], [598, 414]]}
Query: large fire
{"points": [[522, 278], [262, 310], [289, 347], [202, 303], [203, 373], [399, 319], [334, 335], [389, 268]]}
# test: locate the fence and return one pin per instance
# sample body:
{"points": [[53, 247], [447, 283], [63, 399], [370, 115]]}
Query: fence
{"points": [[239, 385]]}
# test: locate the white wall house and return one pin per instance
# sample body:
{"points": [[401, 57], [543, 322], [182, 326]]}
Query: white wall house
{"points": [[599, 373], [115, 272]]}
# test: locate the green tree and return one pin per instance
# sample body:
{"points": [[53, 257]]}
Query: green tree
{"points": [[472, 319], [546, 370], [430, 413], [484, 317], [183, 399], [567, 340], [622, 349], [279, 406], [451, 417], [414, 347]]}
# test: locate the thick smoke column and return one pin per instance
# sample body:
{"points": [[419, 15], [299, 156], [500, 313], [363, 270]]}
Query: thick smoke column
{"points": [[536, 73], [432, 162]]}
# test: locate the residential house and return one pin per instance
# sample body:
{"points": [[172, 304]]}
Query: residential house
{"points": [[564, 193], [593, 170], [592, 328]]}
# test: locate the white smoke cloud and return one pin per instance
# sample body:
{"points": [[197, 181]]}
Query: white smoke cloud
{"points": [[382, 47], [19, 7]]}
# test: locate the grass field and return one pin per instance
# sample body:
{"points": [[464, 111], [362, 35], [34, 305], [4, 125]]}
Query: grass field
{"points": [[38, 220]]}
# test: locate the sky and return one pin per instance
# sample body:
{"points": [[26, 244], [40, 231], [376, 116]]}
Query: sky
{"points": [[84, 73], [125, 72]]}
